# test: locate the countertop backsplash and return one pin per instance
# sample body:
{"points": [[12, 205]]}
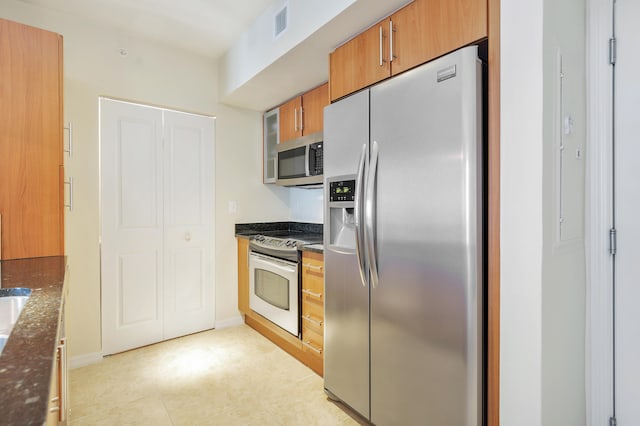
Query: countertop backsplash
{"points": [[306, 205]]}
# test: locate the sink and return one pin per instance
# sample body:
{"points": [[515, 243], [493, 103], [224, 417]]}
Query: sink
{"points": [[12, 301]]}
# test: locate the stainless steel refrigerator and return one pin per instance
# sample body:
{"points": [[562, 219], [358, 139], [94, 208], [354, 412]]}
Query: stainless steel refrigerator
{"points": [[404, 246]]}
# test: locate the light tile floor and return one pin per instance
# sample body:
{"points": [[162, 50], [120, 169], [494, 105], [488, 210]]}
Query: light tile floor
{"points": [[233, 376]]}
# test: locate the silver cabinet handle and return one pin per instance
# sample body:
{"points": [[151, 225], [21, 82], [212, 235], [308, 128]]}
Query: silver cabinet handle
{"points": [[310, 346], [312, 294], [69, 149], [295, 119], [301, 119], [369, 215], [63, 379], [311, 320], [70, 183], [390, 40], [187, 236], [314, 267], [381, 60], [358, 222]]}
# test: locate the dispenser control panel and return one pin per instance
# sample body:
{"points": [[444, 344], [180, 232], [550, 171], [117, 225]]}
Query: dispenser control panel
{"points": [[344, 190]]}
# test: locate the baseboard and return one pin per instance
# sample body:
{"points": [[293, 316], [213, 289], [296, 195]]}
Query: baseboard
{"points": [[229, 322], [84, 360]]}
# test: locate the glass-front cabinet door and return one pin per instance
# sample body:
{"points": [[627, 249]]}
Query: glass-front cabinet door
{"points": [[271, 139]]}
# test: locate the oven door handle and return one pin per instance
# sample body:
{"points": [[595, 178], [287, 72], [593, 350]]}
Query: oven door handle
{"points": [[268, 262]]}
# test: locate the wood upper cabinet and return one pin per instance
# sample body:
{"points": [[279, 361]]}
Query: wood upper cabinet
{"points": [[427, 29], [31, 133], [243, 275], [360, 62], [290, 117], [421, 31], [313, 103], [303, 115]]}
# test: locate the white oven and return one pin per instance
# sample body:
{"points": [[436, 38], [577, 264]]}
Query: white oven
{"points": [[273, 285]]}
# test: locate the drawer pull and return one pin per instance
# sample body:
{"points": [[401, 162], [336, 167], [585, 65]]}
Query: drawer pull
{"points": [[312, 294], [311, 320], [313, 267], [313, 348]]}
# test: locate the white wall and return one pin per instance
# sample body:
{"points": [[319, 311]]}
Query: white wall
{"points": [[563, 255], [521, 211], [159, 75], [256, 48]]}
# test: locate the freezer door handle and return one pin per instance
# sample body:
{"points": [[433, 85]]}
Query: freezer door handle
{"points": [[358, 220], [369, 215]]}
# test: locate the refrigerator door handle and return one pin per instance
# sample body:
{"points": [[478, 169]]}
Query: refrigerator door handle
{"points": [[369, 210], [358, 219]]}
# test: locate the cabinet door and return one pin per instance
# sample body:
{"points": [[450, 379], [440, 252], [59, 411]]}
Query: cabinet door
{"points": [[271, 129], [313, 103], [427, 29], [291, 119], [30, 141], [361, 61], [243, 275]]}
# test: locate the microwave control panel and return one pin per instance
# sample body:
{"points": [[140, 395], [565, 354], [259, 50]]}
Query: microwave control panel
{"points": [[344, 190]]}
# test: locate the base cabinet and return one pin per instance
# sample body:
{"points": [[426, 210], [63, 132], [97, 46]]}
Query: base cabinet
{"points": [[309, 348], [313, 310]]}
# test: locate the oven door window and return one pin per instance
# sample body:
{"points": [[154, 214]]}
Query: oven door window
{"points": [[272, 288]]}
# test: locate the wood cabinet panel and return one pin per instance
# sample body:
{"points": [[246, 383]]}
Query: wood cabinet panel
{"points": [[243, 275], [360, 62], [313, 310], [290, 117], [313, 103], [427, 29], [31, 200], [417, 33]]}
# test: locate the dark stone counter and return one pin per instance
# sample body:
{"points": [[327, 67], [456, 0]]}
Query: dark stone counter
{"points": [[28, 359]]}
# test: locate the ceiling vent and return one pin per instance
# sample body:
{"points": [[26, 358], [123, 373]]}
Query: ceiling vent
{"points": [[281, 21]]}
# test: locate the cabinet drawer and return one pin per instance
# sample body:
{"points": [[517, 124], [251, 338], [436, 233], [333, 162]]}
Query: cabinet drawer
{"points": [[313, 275], [313, 307], [312, 339]]}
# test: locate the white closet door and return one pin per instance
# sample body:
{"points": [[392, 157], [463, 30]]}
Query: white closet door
{"points": [[132, 225], [188, 223], [627, 174]]}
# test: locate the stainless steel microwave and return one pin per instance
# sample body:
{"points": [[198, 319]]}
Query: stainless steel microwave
{"points": [[300, 161]]}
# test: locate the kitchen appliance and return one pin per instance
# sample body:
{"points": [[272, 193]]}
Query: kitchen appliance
{"points": [[300, 162], [274, 277], [404, 245]]}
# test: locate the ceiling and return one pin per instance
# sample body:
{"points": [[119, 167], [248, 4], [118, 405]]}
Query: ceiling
{"points": [[210, 27], [206, 27]]}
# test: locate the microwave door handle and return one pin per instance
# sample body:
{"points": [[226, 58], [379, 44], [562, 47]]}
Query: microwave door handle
{"points": [[306, 160]]}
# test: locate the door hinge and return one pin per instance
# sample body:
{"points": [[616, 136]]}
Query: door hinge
{"points": [[612, 51], [612, 421], [613, 242]]}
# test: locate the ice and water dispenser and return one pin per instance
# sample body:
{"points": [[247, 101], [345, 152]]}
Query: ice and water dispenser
{"points": [[342, 225]]}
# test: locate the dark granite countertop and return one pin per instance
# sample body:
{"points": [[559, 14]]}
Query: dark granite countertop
{"points": [[297, 230], [28, 359]]}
